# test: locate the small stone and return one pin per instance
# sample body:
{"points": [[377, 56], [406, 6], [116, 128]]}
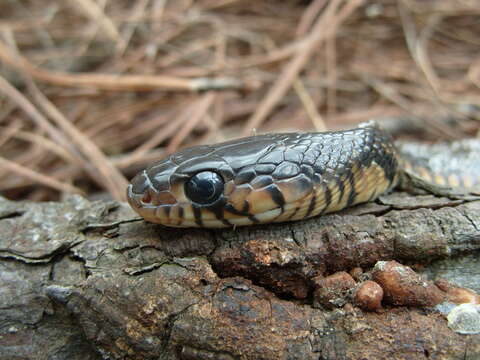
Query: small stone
{"points": [[456, 294], [59, 293], [445, 307], [348, 308], [465, 319], [356, 273], [402, 286], [443, 284], [369, 296], [332, 291], [460, 295]]}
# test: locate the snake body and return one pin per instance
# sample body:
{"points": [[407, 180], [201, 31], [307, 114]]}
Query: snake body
{"points": [[267, 178]]}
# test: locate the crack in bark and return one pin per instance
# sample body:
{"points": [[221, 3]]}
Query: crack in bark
{"points": [[466, 216], [132, 271], [45, 259], [171, 319], [11, 215], [108, 226]]}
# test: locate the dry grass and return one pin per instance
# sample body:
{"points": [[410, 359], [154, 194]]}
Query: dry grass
{"points": [[93, 90]]}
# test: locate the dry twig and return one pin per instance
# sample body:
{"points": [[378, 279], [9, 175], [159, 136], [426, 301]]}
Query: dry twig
{"points": [[320, 31]]}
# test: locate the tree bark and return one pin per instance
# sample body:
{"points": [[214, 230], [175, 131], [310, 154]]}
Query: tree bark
{"points": [[88, 280]]}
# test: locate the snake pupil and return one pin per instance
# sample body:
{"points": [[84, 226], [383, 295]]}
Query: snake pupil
{"points": [[204, 187]]}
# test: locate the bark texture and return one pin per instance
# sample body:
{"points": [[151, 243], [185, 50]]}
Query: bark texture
{"points": [[85, 280]]}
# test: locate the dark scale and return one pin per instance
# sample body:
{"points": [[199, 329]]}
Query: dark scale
{"points": [[293, 155], [276, 195], [245, 175], [351, 179], [263, 169], [311, 206], [286, 170], [307, 170], [301, 149], [262, 181]]}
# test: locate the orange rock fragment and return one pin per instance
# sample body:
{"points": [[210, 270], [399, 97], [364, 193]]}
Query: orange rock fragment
{"points": [[402, 286], [457, 294], [369, 296], [332, 291], [356, 273]]}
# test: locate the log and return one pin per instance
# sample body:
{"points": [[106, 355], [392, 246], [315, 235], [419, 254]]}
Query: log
{"points": [[89, 280]]}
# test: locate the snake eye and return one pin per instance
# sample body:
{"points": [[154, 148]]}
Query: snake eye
{"points": [[204, 187]]}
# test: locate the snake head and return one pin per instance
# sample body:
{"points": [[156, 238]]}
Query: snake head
{"points": [[236, 183], [176, 191]]}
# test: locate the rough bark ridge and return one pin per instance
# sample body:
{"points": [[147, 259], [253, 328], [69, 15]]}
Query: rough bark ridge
{"points": [[81, 280]]}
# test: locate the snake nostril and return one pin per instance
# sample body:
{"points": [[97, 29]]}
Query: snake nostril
{"points": [[147, 198]]}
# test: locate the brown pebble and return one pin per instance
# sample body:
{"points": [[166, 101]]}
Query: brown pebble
{"points": [[356, 273], [348, 308], [457, 294], [369, 296], [402, 286], [332, 291], [443, 284], [460, 295]]}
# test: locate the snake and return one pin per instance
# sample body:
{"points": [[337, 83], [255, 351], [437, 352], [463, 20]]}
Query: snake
{"points": [[275, 178]]}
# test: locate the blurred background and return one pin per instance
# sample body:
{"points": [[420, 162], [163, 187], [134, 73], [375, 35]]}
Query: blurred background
{"points": [[91, 91]]}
